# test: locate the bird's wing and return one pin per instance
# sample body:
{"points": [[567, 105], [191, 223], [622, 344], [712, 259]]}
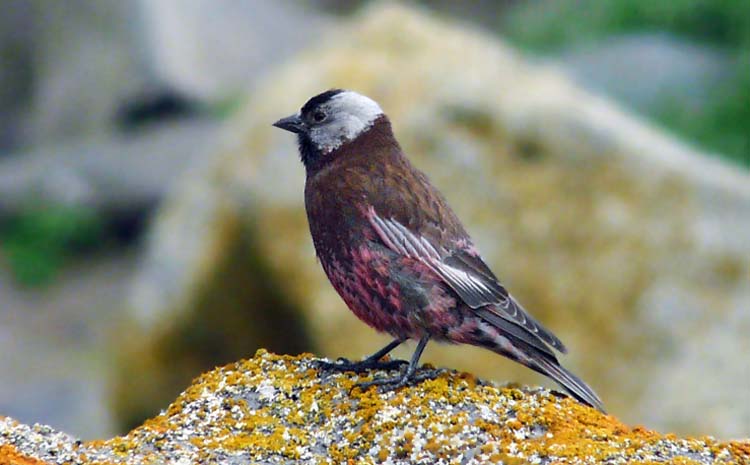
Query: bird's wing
{"points": [[466, 273]]}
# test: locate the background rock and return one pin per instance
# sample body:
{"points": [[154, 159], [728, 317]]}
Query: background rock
{"points": [[678, 71], [110, 174], [50, 374], [213, 50], [16, 43], [88, 61], [86, 73], [627, 243]]}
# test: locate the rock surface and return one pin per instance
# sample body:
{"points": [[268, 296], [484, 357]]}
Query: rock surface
{"points": [[279, 410], [628, 244]]}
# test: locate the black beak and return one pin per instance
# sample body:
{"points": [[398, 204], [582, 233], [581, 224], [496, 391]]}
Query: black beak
{"points": [[291, 123]]}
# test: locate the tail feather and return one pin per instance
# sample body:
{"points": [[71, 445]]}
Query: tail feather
{"points": [[570, 382], [528, 350]]}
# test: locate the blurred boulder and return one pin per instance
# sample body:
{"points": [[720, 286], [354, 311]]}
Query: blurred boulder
{"points": [[627, 243], [114, 175], [89, 58], [649, 70], [90, 79], [213, 49], [82, 68], [55, 344], [16, 44]]}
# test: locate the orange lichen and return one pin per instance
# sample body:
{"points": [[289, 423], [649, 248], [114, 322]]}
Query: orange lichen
{"points": [[10, 456], [284, 408]]}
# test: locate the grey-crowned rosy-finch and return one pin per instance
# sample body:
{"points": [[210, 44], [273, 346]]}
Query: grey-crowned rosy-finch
{"points": [[395, 251]]}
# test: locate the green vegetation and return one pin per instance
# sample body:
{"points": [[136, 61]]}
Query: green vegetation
{"points": [[37, 242], [724, 124], [225, 108]]}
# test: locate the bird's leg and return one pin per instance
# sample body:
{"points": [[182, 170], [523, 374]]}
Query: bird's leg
{"points": [[408, 376], [370, 363]]}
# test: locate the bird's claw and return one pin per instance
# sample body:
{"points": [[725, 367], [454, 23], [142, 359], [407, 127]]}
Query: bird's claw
{"points": [[397, 382], [342, 365]]}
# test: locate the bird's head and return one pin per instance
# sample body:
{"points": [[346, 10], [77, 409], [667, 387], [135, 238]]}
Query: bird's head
{"points": [[330, 120]]}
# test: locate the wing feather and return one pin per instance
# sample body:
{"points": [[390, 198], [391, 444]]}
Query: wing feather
{"points": [[466, 273]]}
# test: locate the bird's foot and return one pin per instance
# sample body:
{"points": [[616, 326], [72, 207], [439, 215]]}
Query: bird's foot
{"points": [[396, 382], [343, 364]]}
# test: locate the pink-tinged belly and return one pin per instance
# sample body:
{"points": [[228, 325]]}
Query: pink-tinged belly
{"points": [[371, 295], [370, 292]]}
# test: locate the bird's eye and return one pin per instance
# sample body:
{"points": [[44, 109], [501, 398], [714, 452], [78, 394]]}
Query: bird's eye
{"points": [[319, 116]]}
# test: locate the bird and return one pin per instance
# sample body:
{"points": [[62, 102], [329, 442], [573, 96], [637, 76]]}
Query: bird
{"points": [[398, 255]]}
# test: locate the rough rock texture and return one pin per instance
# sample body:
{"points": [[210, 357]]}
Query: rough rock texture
{"points": [[628, 244], [280, 410]]}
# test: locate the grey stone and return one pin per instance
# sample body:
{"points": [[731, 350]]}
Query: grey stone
{"points": [[111, 174], [56, 345], [16, 70], [648, 71], [69, 66], [216, 49], [89, 59]]}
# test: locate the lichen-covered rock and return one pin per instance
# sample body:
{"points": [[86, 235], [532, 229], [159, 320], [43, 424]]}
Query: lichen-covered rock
{"points": [[629, 245], [280, 410]]}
